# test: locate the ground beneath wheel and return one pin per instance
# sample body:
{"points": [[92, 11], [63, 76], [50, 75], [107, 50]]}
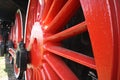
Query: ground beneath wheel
{"points": [[6, 69]]}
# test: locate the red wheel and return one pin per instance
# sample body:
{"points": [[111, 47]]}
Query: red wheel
{"points": [[18, 38], [45, 35]]}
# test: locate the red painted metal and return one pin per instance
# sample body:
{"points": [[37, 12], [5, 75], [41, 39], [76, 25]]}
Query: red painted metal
{"points": [[16, 36], [36, 32], [77, 29], [54, 9], [16, 31], [28, 74], [50, 72], [69, 54], [44, 74], [46, 9], [44, 22], [117, 10], [70, 8], [60, 67], [18, 25], [103, 25]]}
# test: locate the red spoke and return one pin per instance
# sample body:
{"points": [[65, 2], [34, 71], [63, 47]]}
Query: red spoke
{"points": [[74, 56], [77, 29], [39, 74], [18, 25], [29, 74], [63, 16], [37, 78], [30, 19], [34, 74], [50, 73], [46, 8], [44, 75], [54, 9], [60, 67]]}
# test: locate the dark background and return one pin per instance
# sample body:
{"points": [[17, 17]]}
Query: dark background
{"points": [[8, 9]]}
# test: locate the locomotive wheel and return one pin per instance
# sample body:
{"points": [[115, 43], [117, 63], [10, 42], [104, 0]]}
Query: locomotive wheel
{"points": [[44, 33], [20, 59]]}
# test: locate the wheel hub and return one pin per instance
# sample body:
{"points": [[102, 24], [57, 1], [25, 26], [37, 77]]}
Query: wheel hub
{"points": [[36, 45]]}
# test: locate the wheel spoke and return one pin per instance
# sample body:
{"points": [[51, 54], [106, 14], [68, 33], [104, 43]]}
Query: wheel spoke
{"points": [[61, 18], [18, 24], [77, 29], [34, 74], [46, 8], [44, 75], [40, 8], [39, 76], [32, 8], [74, 56], [60, 67], [30, 20], [50, 73], [29, 74], [54, 9]]}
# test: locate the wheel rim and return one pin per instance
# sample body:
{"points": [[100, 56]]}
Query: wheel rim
{"points": [[18, 37], [105, 44]]}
